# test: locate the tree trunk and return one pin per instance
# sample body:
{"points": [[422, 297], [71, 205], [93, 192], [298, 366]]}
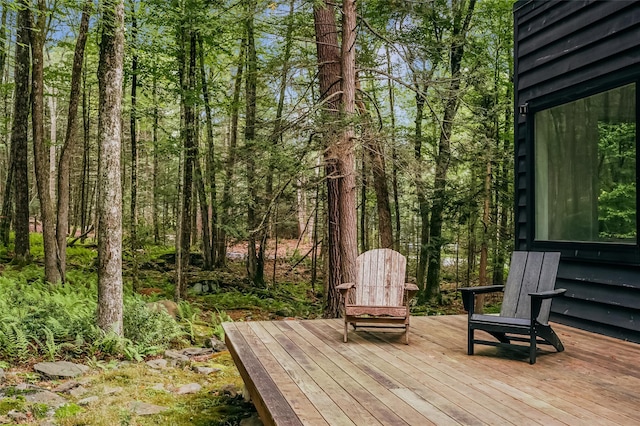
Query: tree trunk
{"points": [[329, 79], [110, 75], [210, 158], [134, 140], [394, 153], [156, 164], [190, 150], [423, 202], [38, 34], [344, 150], [221, 249], [84, 186], [255, 255], [462, 20], [70, 140]]}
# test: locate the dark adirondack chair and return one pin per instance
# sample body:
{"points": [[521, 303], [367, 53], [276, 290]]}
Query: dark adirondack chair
{"points": [[525, 305], [379, 295]]}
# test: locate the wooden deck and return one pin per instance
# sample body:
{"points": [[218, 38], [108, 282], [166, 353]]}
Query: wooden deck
{"points": [[300, 372]]}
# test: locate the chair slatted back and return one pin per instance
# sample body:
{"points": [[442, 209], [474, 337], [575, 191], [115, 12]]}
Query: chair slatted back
{"points": [[380, 278], [530, 272]]}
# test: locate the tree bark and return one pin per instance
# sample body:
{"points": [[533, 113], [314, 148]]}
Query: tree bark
{"points": [[346, 145], [110, 76], [329, 78], [423, 202], [210, 176], [70, 141], [255, 255], [462, 20], [394, 153], [133, 120], [230, 163], [38, 34], [156, 163]]}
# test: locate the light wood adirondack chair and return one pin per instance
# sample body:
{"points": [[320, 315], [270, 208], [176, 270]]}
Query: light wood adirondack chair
{"points": [[379, 295], [525, 305]]}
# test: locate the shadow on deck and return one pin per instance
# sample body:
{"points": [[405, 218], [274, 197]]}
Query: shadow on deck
{"points": [[300, 372]]}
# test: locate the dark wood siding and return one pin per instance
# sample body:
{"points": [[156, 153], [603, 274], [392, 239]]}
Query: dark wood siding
{"points": [[564, 49]]}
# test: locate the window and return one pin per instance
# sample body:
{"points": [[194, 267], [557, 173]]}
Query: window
{"points": [[585, 169]]}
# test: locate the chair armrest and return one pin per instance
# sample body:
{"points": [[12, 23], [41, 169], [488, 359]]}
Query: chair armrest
{"points": [[344, 288], [410, 287], [469, 294], [548, 294], [538, 298]]}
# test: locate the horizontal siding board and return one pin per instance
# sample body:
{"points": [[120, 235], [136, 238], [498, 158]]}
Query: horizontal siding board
{"points": [[576, 62], [601, 32], [629, 59], [606, 294], [597, 312], [576, 18], [553, 12], [614, 275], [585, 324]]}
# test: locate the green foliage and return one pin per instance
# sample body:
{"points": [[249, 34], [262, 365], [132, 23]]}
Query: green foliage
{"points": [[37, 319], [67, 410]]}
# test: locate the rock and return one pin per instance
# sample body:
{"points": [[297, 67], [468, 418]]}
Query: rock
{"points": [[157, 364], [78, 391], [46, 397], [216, 344], [22, 386], [145, 409], [169, 306], [190, 388], [5, 420], [66, 386], [47, 422], [192, 352], [112, 391], [199, 288], [17, 416], [88, 401], [2, 375], [60, 369], [205, 371], [251, 421], [159, 387], [229, 390], [176, 356]]}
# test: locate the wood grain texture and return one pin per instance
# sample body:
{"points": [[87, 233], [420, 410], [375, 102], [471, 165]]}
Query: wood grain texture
{"points": [[377, 379]]}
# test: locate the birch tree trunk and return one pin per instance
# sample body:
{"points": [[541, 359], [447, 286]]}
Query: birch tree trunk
{"points": [[110, 75]]}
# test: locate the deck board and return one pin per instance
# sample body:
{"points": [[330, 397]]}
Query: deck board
{"points": [[300, 372]]}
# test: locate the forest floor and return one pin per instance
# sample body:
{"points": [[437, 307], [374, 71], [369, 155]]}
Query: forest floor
{"points": [[203, 390]]}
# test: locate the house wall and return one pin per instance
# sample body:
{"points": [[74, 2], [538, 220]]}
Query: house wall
{"points": [[564, 49]]}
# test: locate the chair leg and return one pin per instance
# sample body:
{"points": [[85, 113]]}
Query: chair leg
{"points": [[470, 341], [406, 334], [547, 333], [346, 329], [532, 347]]}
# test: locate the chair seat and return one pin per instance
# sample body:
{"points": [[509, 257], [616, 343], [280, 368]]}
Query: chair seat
{"points": [[495, 319]]}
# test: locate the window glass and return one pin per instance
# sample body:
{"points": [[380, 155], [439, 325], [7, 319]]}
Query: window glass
{"points": [[585, 169]]}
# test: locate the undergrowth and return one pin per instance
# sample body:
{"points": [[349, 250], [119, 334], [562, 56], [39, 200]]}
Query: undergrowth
{"points": [[51, 322]]}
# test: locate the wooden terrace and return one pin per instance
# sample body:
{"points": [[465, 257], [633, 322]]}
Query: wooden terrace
{"points": [[300, 372]]}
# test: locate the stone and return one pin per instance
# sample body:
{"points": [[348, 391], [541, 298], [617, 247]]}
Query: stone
{"points": [[3, 376], [60, 369], [88, 401], [46, 397], [157, 364], [17, 416], [23, 386], [112, 391], [216, 344], [5, 420], [78, 391], [145, 409], [159, 387], [191, 352], [176, 356], [65, 387], [229, 390], [251, 421], [205, 371], [187, 389]]}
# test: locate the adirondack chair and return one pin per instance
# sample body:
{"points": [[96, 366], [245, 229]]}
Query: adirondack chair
{"points": [[525, 305], [379, 295]]}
